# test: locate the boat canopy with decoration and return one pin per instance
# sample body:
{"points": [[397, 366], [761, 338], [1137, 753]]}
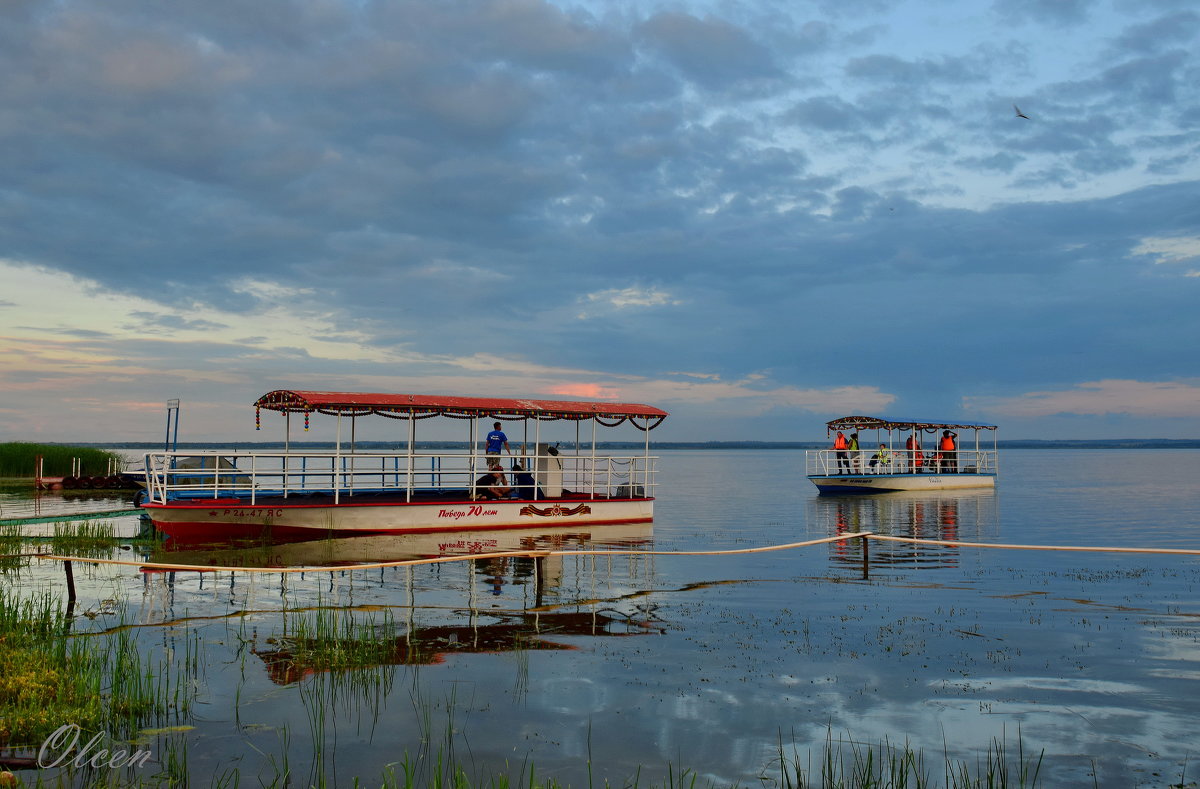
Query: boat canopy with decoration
{"points": [[404, 406], [903, 454], [347, 490]]}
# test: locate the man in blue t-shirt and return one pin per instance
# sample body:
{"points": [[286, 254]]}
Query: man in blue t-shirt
{"points": [[495, 440]]}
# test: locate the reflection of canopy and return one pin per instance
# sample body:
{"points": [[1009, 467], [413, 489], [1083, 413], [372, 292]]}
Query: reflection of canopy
{"points": [[424, 406], [882, 423]]}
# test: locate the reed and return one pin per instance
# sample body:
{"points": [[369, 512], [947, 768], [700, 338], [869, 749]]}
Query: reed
{"points": [[857, 765], [100, 682], [11, 543], [336, 639], [17, 459], [83, 538]]}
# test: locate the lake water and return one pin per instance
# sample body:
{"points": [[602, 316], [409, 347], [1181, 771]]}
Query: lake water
{"points": [[604, 666]]}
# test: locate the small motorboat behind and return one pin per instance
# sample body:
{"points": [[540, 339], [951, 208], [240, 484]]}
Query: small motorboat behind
{"points": [[903, 454]]}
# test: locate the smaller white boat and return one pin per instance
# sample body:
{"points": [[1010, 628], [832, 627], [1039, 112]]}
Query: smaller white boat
{"points": [[902, 454]]}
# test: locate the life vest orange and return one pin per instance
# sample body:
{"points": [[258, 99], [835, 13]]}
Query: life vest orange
{"points": [[839, 442], [947, 444]]}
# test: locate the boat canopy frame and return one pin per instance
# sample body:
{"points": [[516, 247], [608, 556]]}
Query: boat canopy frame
{"points": [[883, 423], [913, 426], [413, 406]]}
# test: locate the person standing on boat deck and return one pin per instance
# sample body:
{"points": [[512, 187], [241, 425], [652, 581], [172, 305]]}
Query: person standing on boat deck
{"points": [[855, 455], [839, 447], [495, 440], [949, 452], [915, 459]]}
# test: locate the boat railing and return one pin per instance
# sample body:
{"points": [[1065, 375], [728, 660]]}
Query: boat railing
{"points": [[248, 476], [826, 462]]}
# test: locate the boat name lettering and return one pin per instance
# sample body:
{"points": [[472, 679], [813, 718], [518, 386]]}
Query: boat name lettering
{"points": [[471, 511], [244, 511]]}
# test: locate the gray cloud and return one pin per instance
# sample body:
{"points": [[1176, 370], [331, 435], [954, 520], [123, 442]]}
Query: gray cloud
{"points": [[1165, 32], [427, 177], [712, 52], [1056, 12]]}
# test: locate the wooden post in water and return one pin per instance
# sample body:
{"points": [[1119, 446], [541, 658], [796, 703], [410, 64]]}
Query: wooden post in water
{"points": [[866, 552], [70, 583]]}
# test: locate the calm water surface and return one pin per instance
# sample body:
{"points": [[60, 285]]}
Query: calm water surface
{"points": [[708, 662]]}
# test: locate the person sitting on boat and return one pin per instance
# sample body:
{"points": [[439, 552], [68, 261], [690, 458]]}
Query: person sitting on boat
{"points": [[839, 447], [524, 482], [495, 440], [883, 458], [493, 484]]}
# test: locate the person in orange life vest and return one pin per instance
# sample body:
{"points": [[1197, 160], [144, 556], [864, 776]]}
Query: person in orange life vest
{"points": [[915, 458], [949, 450], [843, 460]]}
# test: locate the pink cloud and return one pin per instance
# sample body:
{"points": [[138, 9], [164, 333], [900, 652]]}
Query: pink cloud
{"points": [[589, 391]]}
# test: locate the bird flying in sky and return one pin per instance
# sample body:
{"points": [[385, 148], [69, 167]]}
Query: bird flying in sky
{"points": [[1019, 113]]}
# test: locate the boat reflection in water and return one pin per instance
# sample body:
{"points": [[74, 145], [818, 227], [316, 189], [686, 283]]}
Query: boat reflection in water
{"points": [[319, 639], [374, 549], [948, 515]]}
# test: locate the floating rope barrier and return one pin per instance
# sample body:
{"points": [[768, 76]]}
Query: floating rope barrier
{"points": [[535, 554], [865, 536], [1016, 547]]}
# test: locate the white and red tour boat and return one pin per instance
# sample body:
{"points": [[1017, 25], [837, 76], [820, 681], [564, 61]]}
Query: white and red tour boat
{"points": [[346, 491], [903, 454]]}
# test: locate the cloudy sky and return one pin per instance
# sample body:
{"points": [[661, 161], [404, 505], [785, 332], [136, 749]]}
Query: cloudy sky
{"points": [[757, 215]]}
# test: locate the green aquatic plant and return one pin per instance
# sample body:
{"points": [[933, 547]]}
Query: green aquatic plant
{"points": [[103, 682], [17, 459], [851, 764], [83, 538], [12, 544]]}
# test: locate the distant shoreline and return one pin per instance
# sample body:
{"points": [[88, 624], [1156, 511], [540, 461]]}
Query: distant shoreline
{"points": [[1102, 443]]}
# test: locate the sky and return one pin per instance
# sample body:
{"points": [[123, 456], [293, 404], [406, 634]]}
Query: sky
{"points": [[756, 215]]}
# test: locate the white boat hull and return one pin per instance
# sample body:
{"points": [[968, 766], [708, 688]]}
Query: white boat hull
{"points": [[888, 483], [221, 519]]}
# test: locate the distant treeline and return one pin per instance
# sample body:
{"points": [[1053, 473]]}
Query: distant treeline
{"points": [[1099, 443], [18, 458]]}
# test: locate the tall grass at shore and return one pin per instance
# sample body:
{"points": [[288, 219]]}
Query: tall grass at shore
{"points": [[17, 459], [100, 682]]}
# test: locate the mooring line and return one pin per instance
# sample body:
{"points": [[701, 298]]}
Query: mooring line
{"points": [[865, 535], [1017, 547], [440, 559]]}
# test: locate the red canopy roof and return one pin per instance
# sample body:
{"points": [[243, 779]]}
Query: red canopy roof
{"points": [[885, 423], [423, 406]]}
